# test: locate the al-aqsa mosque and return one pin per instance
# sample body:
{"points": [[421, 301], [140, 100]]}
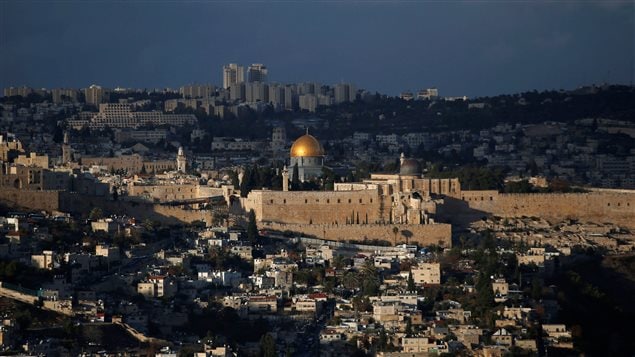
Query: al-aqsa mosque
{"points": [[396, 207], [308, 154]]}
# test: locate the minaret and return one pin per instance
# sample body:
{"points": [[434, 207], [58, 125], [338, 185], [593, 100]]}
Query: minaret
{"points": [[181, 161], [66, 150], [285, 179], [402, 158]]}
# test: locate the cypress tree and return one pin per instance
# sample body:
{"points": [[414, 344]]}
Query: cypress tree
{"points": [[252, 228], [295, 177], [411, 282], [267, 346]]}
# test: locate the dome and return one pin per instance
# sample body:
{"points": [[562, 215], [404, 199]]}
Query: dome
{"points": [[306, 146], [410, 167]]}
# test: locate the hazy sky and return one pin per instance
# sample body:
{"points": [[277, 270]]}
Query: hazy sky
{"points": [[463, 48]]}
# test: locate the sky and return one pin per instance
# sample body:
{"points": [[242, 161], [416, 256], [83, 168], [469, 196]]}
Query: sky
{"points": [[474, 48]]}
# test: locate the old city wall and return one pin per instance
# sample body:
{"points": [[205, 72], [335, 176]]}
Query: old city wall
{"points": [[597, 207], [317, 207], [165, 193], [75, 203], [82, 204], [422, 234], [31, 199]]}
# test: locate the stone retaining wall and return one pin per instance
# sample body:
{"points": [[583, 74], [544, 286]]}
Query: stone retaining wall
{"points": [[422, 234]]}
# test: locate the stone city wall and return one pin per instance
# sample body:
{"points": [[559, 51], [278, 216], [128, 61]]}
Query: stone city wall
{"points": [[34, 200], [422, 234], [316, 207], [166, 214], [82, 204], [173, 192], [598, 207]]}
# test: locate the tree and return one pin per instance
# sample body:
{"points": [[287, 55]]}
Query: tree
{"points": [[382, 343], [350, 280], [369, 279], [295, 177], [536, 288], [408, 330], [484, 292], [407, 234], [339, 261], [395, 230], [267, 346], [233, 176], [23, 318], [252, 228], [247, 182], [411, 282], [95, 214]]}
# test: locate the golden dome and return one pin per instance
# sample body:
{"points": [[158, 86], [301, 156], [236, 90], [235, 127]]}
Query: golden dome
{"points": [[306, 145]]}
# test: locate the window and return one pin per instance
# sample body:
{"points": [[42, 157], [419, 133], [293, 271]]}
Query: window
{"points": [[338, 200], [349, 200], [284, 201], [360, 200], [306, 201], [328, 201], [271, 201]]}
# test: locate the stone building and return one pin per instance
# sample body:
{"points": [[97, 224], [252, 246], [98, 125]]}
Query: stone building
{"points": [[371, 209], [308, 155], [123, 115], [10, 148], [181, 161], [41, 179], [278, 138], [402, 198], [33, 159], [427, 273], [171, 191], [67, 151]]}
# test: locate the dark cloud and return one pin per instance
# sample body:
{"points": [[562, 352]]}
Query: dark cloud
{"points": [[472, 48]]}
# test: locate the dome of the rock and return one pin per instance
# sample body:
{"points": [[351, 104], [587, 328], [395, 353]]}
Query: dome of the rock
{"points": [[307, 146]]}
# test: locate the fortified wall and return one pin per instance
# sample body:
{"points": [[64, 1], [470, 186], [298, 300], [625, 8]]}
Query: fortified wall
{"points": [[422, 234], [31, 199], [172, 192], [315, 207], [82, 204], [597, 207]]}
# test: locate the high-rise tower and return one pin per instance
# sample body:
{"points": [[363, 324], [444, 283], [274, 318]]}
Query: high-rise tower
{"points": [[233, 74], [257, 72]]}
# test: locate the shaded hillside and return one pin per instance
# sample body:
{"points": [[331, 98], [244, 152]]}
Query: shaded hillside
{"points": [[596, 297]]}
